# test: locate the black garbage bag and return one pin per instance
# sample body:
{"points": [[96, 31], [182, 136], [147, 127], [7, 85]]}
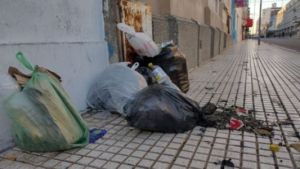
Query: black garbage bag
{"points": [[162, 109]]}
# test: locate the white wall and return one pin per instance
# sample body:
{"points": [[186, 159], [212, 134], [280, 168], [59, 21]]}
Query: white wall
{"points": [[66, 36]]}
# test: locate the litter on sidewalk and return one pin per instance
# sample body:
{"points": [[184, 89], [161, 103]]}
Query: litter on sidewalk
{"points": [[237, 118], [163, 109], [296, 146], [96, 134], [43, 116], [141, 43], [114, 87], [274, 148]]}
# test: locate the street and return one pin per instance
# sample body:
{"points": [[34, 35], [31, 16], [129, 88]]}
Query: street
{"points": [[264, 79], [290, 43]]}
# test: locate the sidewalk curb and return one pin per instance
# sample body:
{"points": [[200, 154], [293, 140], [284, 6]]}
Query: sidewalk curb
{"points": [[283, 48]]}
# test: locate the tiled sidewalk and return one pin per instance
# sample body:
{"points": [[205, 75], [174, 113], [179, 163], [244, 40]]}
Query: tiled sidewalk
{"points": [[266, 79]]}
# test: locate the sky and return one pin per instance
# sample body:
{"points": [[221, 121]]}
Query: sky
{"points": [[254, 9]]}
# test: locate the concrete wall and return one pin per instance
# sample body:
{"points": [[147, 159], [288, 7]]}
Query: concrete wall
{"points": [[188, 41], [199, 43], [159, 7], [66, 36], [209, 12], [163, 29], [205, 44], [189, 9]]}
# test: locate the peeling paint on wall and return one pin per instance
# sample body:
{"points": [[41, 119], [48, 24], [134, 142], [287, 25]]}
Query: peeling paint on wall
{"points": [[138, 15]]}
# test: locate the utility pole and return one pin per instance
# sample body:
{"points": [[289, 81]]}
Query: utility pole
{"points": [[259, 24]]}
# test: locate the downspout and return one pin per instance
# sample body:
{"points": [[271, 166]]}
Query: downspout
{"points": [[233, 23]]}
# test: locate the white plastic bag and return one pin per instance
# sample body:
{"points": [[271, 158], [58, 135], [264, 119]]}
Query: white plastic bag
{"points": [[8, 86], [141, 43], [115, 86]]}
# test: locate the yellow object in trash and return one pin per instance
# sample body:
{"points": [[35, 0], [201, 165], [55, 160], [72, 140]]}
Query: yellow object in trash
{"points": [[274, 148]]}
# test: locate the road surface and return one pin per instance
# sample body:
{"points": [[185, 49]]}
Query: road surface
{"points": [[290, 43]]}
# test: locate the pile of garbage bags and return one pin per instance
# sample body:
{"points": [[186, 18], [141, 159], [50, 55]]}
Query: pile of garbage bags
{"points": [[149, 92], [43, 117]]}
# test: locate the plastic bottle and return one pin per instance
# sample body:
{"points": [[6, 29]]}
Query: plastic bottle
{"points": [[158, 73], [161, 77]]}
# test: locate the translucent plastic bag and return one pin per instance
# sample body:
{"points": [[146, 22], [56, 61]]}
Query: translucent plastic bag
{"points": [[141, 43], [115, 86], [8, 87], [43, 117], [162, 109]]}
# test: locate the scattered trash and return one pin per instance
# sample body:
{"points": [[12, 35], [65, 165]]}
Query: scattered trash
{"points": [[284, 122], [114, 87], [96, 134], [43, 116], [264, 131], [241, 111], [296, 146], [161, 109], [223, 101], [227, 117], [217, 163], [11, 158], [274, 148], [209, 88], [202, 131], [141, 42], [209, 109], [227, 164], [235, 124]]}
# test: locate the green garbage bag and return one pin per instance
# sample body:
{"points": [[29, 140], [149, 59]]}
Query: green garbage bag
{"points": [[43, 117]]}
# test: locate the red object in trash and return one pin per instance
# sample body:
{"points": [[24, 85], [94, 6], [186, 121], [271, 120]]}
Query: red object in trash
{"points": [[241, 110], [235, 124], [249, 22]]}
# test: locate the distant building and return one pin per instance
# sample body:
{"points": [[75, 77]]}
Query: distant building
{"points": [[288, 19], [268, 19]]}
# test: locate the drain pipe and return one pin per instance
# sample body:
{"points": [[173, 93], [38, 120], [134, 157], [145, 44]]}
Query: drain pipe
{"points": [[259, 25]]}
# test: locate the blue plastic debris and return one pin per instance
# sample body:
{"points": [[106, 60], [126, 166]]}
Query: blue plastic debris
{"points": [[96, 134]]}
